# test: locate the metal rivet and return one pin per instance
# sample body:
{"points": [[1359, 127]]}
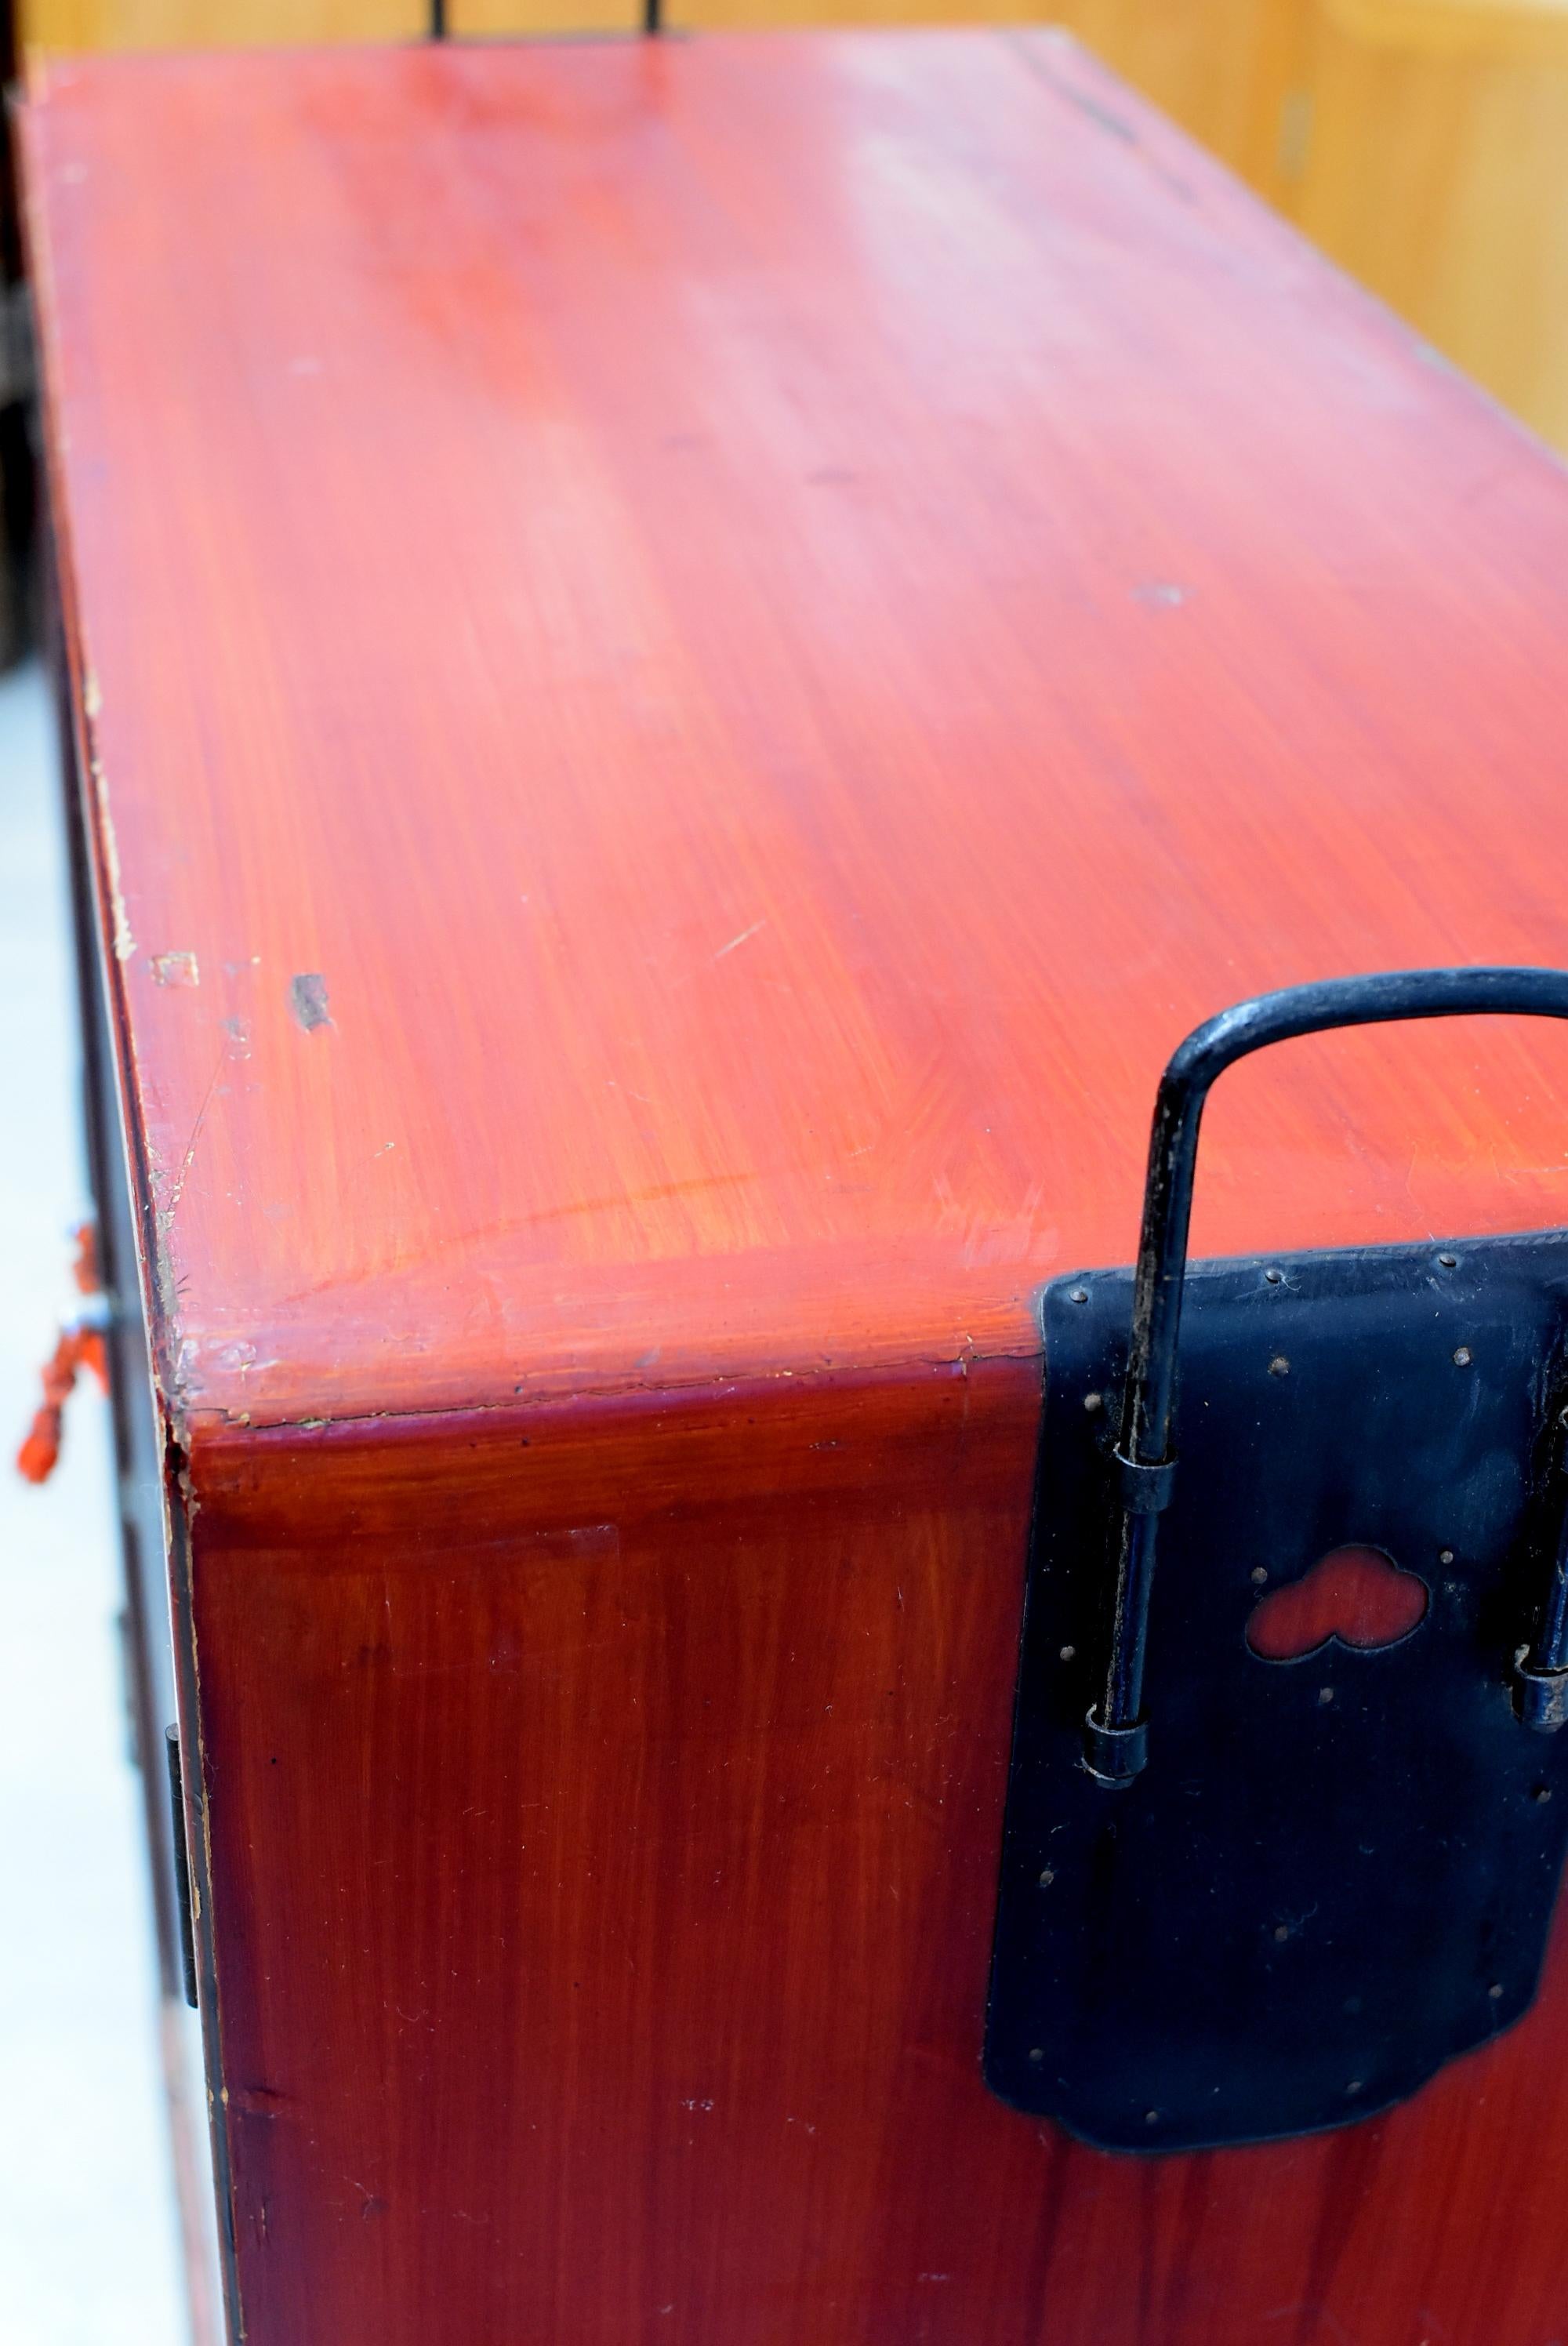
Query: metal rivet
{"points": [[1461, 1357], [1354, 2087], [1151, 2117], [1541, 1793], [1092, 1402], [1495, 1990], [1448, 1261], [1445, 1555], [1075, 1295], [1259, 1575], [1280, 1366], [1275, 1277], [1325, 1694], [1047, 1878], [1068, 1652], [1282, 1932], [1037, 2052]]}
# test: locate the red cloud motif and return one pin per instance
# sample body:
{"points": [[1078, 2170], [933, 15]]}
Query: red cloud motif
{"points": [[1358, 1594]]}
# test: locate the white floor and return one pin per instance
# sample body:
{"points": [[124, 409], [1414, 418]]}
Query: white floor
{"points": [[89, 2253]]}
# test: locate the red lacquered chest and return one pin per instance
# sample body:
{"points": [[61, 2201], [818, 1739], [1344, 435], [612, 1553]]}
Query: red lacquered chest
{"points": [[689, 662]]}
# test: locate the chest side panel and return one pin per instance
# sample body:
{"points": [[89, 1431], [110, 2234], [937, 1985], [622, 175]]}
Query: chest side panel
{"points": [[604, 1841]]}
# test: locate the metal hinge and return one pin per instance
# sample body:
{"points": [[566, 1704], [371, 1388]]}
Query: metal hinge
{"points": [[1286, 1820]]}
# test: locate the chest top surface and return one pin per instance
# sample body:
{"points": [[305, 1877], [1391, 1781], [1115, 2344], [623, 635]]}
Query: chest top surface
{"points": [[697, 657]]}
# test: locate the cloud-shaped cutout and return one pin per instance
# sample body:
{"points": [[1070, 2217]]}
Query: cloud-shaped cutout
{"points": [[1358, 1594]]}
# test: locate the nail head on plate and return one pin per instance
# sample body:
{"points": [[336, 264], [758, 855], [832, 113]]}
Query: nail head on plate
{"points": [[1092, 1402], [1462, 1358], [1259, 1575], [1448, 1261], [1280, 1366], [1275, 1277], [1495, 1990], [1445, 1555], [1077, 1295]]}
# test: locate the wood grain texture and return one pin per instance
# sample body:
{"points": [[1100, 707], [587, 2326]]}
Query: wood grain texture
{"points": [[1232, 73], [605, 1841], [694, 660], [784, 667]]}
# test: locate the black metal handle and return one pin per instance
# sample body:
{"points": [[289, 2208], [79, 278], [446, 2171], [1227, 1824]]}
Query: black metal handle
{"points": [[1117, 1732]]}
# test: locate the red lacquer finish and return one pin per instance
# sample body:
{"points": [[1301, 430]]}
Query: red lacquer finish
{"points": [[692, 661], [1358, 1594]]}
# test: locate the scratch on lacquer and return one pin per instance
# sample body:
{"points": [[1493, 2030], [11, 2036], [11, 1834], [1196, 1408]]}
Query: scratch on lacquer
{"points": [[167, 1214], [741, 939]]}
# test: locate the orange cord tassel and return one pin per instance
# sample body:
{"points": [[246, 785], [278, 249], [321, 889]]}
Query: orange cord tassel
{"points": [[79, 1348], [85, 1269]]}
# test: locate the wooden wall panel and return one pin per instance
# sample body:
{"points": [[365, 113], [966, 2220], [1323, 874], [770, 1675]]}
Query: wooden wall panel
{"points": [[67, 24], [1437, 173], [494, 19], [759, 15]]}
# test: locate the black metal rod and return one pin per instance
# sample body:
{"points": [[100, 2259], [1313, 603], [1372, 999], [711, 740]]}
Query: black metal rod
{"points": [[1550, 1651], [438, 20], [1149, 1398], [181, 1861], [1541, 1672], [653, 15]]}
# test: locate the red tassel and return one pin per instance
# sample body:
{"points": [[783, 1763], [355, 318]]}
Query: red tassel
{"points": [[40, 1452], [85, 1269], [78, 1349], [94, 1353]]}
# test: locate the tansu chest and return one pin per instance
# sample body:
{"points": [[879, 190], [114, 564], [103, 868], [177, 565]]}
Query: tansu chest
{"points": [[686, 667]]}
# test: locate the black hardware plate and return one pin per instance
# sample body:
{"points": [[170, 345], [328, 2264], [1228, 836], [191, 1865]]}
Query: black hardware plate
{"points": [[1336, 1872]]}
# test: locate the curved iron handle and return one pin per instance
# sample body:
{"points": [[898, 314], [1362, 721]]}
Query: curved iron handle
{"points": [[1116, 1731]]}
